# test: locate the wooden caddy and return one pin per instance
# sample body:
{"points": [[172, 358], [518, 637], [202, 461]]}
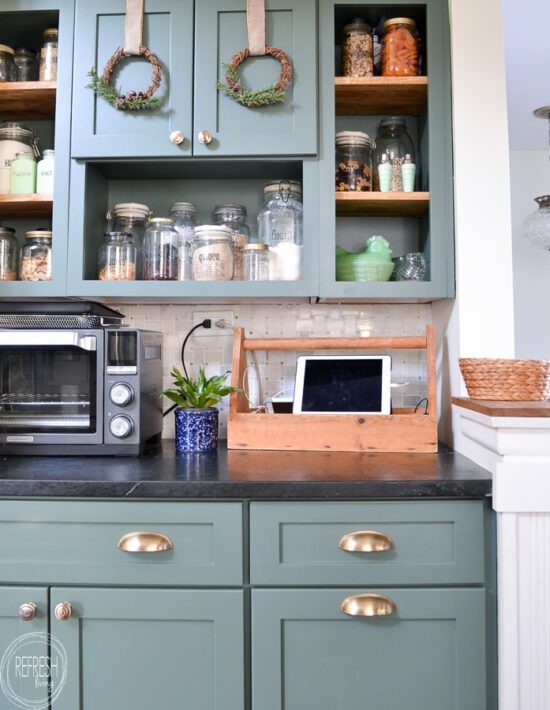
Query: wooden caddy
{"points": [[404, 430]]}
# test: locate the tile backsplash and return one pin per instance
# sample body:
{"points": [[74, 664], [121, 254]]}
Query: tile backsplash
{"points": [[213, 348]]}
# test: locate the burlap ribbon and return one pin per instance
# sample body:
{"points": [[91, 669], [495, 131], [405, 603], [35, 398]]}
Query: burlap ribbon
{"points": [[255, 22], [133, 26]]}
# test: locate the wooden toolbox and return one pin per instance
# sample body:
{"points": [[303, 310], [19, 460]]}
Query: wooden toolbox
{"points": [[404, 430]]}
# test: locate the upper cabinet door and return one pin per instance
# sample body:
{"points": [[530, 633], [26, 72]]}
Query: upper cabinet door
{"points": [[288, 128], [98, 128]]}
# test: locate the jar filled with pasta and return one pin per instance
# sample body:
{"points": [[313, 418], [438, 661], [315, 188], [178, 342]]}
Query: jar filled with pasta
{"points": [[399, 47]]}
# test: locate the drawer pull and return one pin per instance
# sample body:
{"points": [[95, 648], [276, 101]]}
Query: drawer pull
{"points": [[145, 541], [27, 611], [366, 541], [368, 605], [63, 611]]}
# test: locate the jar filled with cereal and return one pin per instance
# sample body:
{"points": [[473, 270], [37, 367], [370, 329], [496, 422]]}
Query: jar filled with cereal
{"points": [[9, 254], [399, 47], [116, 259], [36, 256], [357, 56], [353, 161]]}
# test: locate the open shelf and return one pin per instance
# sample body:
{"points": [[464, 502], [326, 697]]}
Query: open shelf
{"points": [[27, 99], [23, 206], [379, 95], [381, 204]]}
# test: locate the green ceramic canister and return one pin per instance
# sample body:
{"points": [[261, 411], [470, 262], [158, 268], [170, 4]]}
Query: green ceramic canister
{"points": [[23, 174]]}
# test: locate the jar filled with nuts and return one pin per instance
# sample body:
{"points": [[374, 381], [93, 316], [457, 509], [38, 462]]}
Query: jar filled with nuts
{"points": [[357, 56], [353, 161], [116, 259], [36, 256], [399, 47]]}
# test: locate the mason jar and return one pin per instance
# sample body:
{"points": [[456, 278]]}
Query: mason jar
{"points": [[131, 218], [116, 259], [393, 140], [357, 54], [8, 70], [36, 256], [212, 253], [186, 218], [14, 138], [9, 254], [234, 216], [26, 64], [280, 226], [48, 55], [353, 162], [256, 262], [399, 47], [160, 250]]}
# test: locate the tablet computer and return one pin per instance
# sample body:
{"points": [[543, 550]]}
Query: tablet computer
{"points": [[342, 384]]}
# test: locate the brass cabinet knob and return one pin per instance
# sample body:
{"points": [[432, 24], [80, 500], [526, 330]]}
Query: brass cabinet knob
{"points": [[177, 137], [63, 611], [145, 541], [366, 541], [27, 611], [205, 137], [368, 605]]}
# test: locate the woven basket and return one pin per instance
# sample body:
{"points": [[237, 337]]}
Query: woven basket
{"points": [[505, 379]]}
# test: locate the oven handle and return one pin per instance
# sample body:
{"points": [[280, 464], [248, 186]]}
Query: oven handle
{"points": [[53, 337]]}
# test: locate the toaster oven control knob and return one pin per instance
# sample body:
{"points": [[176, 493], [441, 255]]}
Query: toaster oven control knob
{"points": [[121, 426], [121, 394]]}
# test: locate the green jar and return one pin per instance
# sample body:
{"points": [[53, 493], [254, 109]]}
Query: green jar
{"points": [[23, 174]]}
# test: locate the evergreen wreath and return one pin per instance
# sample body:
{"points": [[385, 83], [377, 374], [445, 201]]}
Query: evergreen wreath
{"points": [[272, 94], [132, 101]]}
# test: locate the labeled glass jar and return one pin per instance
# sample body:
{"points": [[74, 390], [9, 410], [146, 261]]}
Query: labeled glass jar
{"points": [[36, 256], [9, 254], [45, 172], [8, 70], [14, 138], [160, 250], [399, 47], [353, 162], [23, 174], [256, 262], [132, 218], [116, 259], [26, 64], [186, 218], [212, 254], [235, 217], [357, 53], [393, 140], [48, 55], [280, 226]]}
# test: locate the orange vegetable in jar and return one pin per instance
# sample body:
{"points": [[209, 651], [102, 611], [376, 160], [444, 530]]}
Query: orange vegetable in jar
{"points": [[399, 47]]}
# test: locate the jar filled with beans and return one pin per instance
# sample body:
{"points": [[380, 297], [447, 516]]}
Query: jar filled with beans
{"points": [[36, 256], [357, 56], [399, 47]]}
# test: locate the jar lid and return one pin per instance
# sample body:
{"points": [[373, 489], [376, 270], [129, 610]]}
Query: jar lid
{"points": [[212, 231], [293, 186], [184, 207], [25, 154], [24, 52], [12, 130], [7, 231], [255, 247], [399, 21], [50, 33], [46, 233], [229, 207], [118, 235], [157, 221], [7, 50], [354, 138], [48, 153], [357, 26]]}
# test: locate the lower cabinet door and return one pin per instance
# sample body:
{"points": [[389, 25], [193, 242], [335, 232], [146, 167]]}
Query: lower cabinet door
{"points": [[429, 654], [150, 648]]}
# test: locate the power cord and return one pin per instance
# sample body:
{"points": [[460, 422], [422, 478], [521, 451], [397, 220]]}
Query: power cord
{"points": [[222, 323]]}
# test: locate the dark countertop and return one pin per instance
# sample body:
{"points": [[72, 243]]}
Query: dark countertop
{"points": [[245, 474]]}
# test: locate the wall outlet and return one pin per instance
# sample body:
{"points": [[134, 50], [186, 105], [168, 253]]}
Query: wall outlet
{"points": [[199, 316]]}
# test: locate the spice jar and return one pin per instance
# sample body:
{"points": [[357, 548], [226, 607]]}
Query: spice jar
{"points": [[256, 262], [280, 223], [130, 217], [399, 47], [234, 216], [36, 256], [23, 174], [160, 250], [9, 254], [45, 172], [357, 54], [48, 55], [7, 64], [116, 259], [353, 161], [14, 138], [26, 65], [185, 216], [212, 254], [393, 140]]}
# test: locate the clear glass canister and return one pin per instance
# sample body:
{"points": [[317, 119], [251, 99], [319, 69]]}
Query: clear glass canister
{"points": [[9, 254], [212, 255], [353, 161], [357, 54], [45, 172], [235, 217], [7, 64], [399, 47], [26, 64], [14, 138], [256, 262], [132, 218], [23, 174], [48, 55], [186, 218], [160, 250], [116, 259], [280, 226], [36, 256], [393, 140]]}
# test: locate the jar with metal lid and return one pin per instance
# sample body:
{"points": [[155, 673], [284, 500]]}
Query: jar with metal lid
{"points": [[353, 162], [23, 174], [160, 250], [36, 256], [256, 262], [26, 64], [116, 259], [399, 47], [7, 65], [212, 254], [186, 218], [130, 217], [235, 217], [48, 55], [393, 140], [9, 254], [357, 54], [14, 138], [280, 223]]}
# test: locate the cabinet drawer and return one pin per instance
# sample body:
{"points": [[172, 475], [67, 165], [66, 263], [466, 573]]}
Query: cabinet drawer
{"points": [[78, 542], [432, 542]]}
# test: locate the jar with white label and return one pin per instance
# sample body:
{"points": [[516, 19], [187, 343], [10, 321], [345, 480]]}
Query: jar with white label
{"points": [[9, 254], [185, 216], [212, 255], [160, 250], [36, 256], [14, 138], [44, 173], [280, 227], [235, 217]]}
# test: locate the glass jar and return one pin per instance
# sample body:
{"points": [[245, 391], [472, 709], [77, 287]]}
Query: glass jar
{"points": [[256, 262], [45, 172], [280, 223], [48, 55], [23, 174], [116, 259], [212, 253], [186, 218], [7, 65], [14, 138], [36, 256], [9, 254], [399, 47], [393, 140], [235, 217], [357, 54], [130, 217], [353, 161], [26, 65], [160, 250]]}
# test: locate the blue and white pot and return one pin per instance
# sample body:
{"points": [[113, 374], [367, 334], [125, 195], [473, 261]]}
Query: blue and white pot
{"points": [[196, 429]]}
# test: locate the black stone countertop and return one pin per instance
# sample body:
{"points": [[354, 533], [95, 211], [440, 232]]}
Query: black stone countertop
{"points": [[245, 474]]}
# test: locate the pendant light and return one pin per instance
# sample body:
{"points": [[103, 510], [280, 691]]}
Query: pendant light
{"points": [[537, 225]]}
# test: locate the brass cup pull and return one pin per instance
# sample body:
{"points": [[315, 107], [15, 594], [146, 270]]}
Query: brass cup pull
{"points": [[27, 611], [368, 605], [145, 541], [205, 137], [63, 611], [366, 541], [177, 137]]}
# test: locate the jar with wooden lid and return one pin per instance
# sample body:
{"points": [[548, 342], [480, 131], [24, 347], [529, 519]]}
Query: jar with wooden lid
{"points": [[9, 254], [116, 259], [48, 55], [160, 250], [7, 64], [36, 256], [212, 253], [256, 262], [399, 47], [357, 55]]}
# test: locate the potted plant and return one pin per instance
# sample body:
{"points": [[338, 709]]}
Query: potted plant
{"points": [[196, 413]]}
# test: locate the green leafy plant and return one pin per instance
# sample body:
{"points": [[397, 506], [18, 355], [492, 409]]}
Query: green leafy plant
{"points": [[233, 87], [198, 393], [131, 101]]}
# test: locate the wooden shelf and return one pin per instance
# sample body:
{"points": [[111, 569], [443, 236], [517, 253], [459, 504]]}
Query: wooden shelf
{"points": [[23, 206], [32, 100], [377, 95], [381, 204]]}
